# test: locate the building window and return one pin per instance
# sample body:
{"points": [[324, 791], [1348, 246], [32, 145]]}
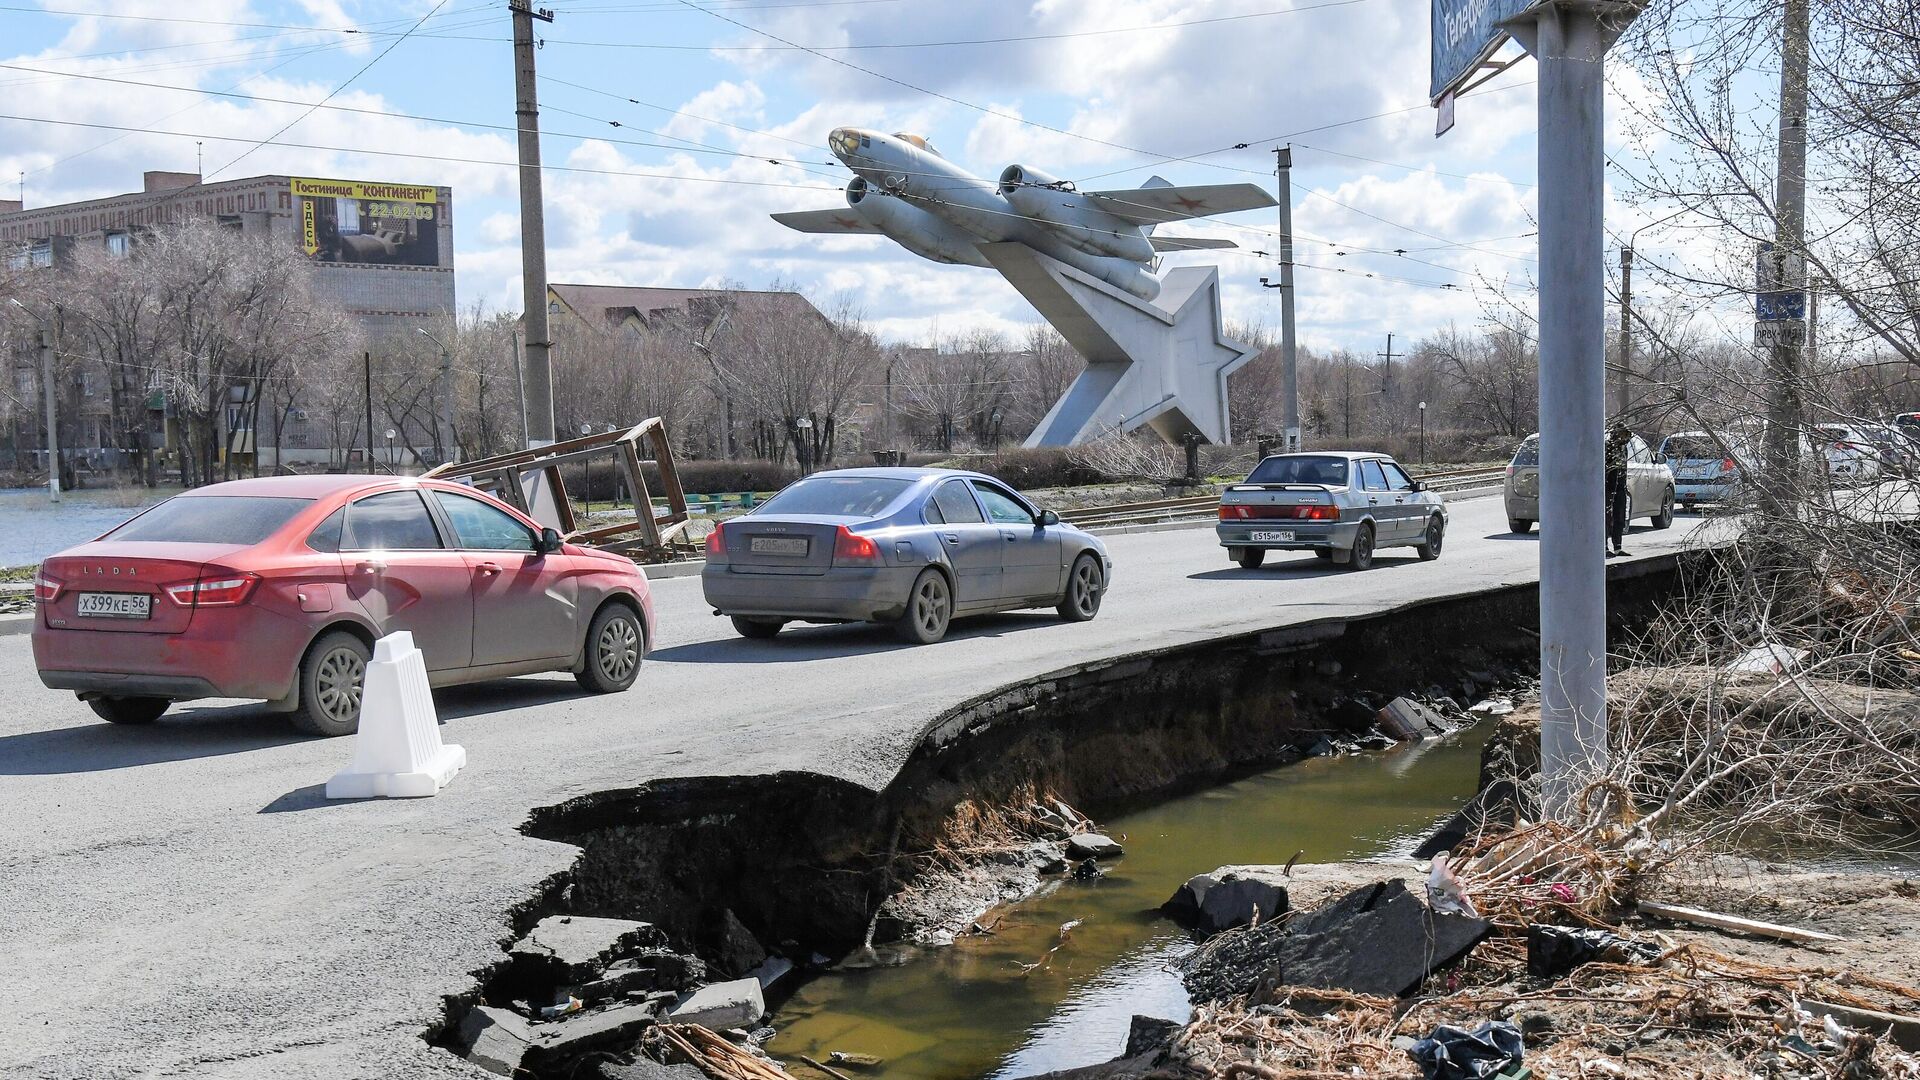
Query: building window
{"points": [[40, 253], [17, 260], [119, 245]]}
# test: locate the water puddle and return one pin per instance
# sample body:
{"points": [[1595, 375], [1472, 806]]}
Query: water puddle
{"points": [[968, 1011]]}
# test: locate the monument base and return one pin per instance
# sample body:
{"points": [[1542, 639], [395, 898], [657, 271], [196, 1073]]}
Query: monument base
{"points": [[1161, 365]]}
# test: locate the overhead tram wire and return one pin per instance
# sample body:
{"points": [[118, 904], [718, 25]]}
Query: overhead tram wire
{"points": [[414, 155]]}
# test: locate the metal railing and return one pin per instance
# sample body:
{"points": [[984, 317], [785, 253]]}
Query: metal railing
{"points": [[1196, 507]]}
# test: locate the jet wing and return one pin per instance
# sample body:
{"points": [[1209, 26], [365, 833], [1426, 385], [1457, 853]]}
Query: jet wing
{"points": [[1154, 205], [1189, 243], [826, 221]]}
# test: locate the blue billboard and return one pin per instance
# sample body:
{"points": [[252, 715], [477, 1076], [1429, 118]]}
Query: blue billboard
{"points": [[1465, 33]]}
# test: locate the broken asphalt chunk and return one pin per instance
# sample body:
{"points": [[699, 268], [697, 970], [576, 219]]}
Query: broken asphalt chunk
{"points": [[719, 1006], [564, 950]]}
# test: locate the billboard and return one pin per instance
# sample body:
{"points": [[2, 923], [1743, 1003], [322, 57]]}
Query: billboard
{"points": [[352, 221], [1465, 32]]}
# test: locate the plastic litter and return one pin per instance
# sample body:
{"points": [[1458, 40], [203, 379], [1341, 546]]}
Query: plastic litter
{"points": [[398, 753], [1769, 659], [1451, 1053], [1445, 893], [562, 1008], [1556, 950]]}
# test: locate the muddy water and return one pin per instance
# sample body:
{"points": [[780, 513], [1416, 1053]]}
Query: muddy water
{"points": [[969, 1011]]}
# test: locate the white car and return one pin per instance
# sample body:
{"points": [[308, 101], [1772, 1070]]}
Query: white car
{"points": [[1850, 454]]}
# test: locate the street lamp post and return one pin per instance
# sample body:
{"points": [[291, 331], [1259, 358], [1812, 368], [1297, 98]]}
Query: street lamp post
{"points": [[444, 392], [586, 472], [391, 462], [1423, 433]]}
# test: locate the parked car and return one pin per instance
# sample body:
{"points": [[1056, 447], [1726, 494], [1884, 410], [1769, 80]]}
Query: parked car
{"points": [[1704, 469], [1892, 448], [916, 548], [1650, 486], [1908, 424], [1849, 451], [275, 589], [1343, 507]]}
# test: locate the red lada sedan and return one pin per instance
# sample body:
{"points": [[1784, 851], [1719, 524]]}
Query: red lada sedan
{"points": [[276, 588]]}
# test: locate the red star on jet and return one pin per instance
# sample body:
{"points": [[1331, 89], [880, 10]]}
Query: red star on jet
{"points": [[846, 222], [1189, 205]]}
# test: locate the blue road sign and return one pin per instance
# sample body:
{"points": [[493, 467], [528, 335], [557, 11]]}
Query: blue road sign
{"points": [[1464, 34]]}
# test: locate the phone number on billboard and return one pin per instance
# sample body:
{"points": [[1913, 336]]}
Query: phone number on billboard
{"points": [[401, 211]]}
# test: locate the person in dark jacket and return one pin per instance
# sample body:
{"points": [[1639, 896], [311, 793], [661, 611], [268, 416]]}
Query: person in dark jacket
{"points": [[1617, 439]]}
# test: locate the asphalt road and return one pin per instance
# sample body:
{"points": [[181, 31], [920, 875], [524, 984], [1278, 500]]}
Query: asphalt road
{"points": [[180, 899]]}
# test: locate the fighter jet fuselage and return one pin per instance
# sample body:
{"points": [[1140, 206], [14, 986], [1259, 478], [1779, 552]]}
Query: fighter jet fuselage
{"points": [[906, 191]]}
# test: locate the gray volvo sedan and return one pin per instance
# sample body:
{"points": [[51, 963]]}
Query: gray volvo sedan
{"points": [[1341, 506], [912, 547]]}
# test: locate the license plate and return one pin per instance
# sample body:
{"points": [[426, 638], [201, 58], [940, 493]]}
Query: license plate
{"points": [[116, 605], [1284, 536], [778, 545]]}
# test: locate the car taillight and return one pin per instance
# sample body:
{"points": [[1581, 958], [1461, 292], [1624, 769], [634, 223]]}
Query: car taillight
{"points": [[1316, 513], [1844, 446], [851, 547], [1302, 513], [716, 543], [214, 592], [45, 589], [1726, 465]]}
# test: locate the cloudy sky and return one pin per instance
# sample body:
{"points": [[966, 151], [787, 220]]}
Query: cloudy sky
{"points": [[672, 131]]}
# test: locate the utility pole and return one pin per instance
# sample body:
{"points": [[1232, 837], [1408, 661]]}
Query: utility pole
{"points": [[1289, 357], [443, 393], [1623, 378], [1787, 325], [53, 427], [1386, 372], [368, 357], [538, 377], [519, 384], [1569, 40], [1346, 424]]}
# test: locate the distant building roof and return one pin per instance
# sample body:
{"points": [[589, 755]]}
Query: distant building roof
{"points": [[649, 304]]}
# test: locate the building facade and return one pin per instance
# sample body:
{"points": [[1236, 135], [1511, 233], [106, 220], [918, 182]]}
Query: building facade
{"points": [[383, 251]]}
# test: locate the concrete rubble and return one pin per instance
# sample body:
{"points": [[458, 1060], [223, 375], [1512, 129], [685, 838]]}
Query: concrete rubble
{"points": [[1379, 939], [721, 1005], [1228, 898], [567, 949]]}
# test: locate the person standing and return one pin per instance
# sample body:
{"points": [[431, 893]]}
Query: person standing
{"points": [[1618, 438]]}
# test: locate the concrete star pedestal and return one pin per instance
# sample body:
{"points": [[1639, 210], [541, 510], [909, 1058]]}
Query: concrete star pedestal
{"points": [[1161, 365]]}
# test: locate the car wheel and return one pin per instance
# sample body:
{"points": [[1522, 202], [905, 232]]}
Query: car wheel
{"points": [[1519, 526], [615, 644], [331, 678], [929, 609], [1360, 557], [1250, 558], [757, 629], [1664, 519], [1429, 548], [128, 710], [1085, 586]]}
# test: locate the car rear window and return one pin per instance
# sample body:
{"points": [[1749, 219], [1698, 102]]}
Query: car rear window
{"points": [[1301, 469], [838, 496], [1529, 453], [1692, 448], [211, 519]]}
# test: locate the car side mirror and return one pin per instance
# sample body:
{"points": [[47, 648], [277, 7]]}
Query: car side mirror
{"points": [[1048, 517], [1419, 485], [549, 541]]}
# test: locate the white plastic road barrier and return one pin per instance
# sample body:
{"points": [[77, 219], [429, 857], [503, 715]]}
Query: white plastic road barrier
{"points": [[398, 753]]}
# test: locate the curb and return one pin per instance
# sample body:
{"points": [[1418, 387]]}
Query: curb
{"points": [[674, 570]]}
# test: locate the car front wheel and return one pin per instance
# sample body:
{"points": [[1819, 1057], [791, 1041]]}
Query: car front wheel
{"points": [[331, 680], [128, 710], [1429, 547], [1084, 589], [615, 644], [929, 609]]}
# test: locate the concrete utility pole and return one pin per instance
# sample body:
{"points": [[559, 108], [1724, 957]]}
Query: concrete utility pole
{"points": [[538, 376], [519, 383], [1788, 328], [1386, 371], [367, 358], [1623, 378], [1569, 39], [1289, 356], [53, 425]]}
